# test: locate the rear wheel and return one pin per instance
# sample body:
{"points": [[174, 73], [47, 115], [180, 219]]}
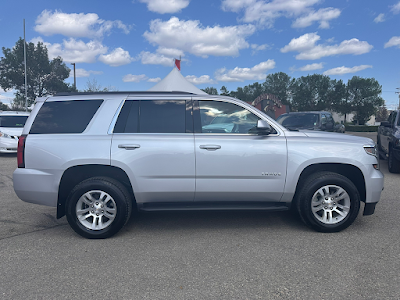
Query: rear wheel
{"points": [[393, 163], [98, 207], [328, 202]]}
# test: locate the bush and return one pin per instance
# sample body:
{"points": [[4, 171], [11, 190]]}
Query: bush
{"points": [[361, 128]]}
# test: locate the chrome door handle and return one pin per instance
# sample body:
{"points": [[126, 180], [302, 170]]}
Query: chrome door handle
{"points": [[210, 147], [128, 147]]}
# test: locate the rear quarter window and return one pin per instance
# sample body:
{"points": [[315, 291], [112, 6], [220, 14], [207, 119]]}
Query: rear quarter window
{"points": [[64, 116]]}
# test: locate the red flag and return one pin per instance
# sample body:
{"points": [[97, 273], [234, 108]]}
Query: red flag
{"points": [[178, 64]]}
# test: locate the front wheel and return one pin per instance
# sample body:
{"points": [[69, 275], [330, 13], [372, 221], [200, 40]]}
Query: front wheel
{"points": [[98, 207], [328, 202]]}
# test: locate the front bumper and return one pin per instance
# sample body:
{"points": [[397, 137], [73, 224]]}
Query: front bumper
{"points": [[8, 145], [374, 188]]}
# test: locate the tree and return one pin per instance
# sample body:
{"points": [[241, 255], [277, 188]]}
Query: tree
{"points": [[3, 106], [224, 91], [279, 84], [44, 77], [364, 96], [311, 92], [210, 90], [338, 100], [93, 86], [382, 114]]}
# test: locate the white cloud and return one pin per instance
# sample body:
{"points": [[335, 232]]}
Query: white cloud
{"points": [[157, 79], [116, 58], [307, 48], [190, 36], [395, 8], [75, 51], [266, 12], [83, 73], [199, 80], [256, 47], [258, 72], [394, 41], [165, 6], [302, 43], [134, 78], [148, 58], [170, 52], [312, 67], [344, 70], [323, 16], [75, 25], [380, 18]]}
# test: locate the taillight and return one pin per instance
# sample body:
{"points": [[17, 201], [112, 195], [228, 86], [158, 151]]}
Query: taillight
{"points": [[21, 151]]}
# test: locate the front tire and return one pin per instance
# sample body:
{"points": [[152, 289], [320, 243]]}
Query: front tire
{"points": [[328, 202], [98, 207]]}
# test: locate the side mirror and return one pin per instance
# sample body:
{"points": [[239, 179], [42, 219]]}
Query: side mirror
{"points": [[263, 127]]}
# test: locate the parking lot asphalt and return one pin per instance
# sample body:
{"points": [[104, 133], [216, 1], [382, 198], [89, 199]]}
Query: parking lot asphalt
{"points": [[198, 255]]}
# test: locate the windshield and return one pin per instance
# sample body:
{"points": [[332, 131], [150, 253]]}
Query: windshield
{"points": [[305, 120], [13, 121]]}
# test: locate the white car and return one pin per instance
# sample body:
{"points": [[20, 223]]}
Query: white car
{"points": [[11, 126]]}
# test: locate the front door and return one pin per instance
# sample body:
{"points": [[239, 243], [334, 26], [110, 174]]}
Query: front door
{"points": [[232, 162]]}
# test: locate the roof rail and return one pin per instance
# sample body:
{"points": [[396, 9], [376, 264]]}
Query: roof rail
{"points": [[123, 92]]}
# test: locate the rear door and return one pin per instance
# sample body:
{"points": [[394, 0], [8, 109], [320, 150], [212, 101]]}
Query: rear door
{"points": [[232, 163], [153, 142]]}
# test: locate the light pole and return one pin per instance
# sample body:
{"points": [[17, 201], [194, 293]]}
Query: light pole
{"points": [[74, 76]]}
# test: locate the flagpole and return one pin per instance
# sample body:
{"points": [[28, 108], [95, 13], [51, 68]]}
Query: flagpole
{"points": [[26, 90]]}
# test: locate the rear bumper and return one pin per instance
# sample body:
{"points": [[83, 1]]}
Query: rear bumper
{"points": [[35, 186]]}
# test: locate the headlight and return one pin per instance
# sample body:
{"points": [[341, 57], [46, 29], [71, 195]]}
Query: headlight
{"points": [[373, 150], [2, 134]]}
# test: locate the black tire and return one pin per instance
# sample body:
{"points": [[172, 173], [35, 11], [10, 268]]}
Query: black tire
{"points": [[341, 212], [393, 163], [103, 203]]}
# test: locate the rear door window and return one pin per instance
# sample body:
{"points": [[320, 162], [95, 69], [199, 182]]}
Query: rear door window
{"points": [[154, 116], [64, 116]]}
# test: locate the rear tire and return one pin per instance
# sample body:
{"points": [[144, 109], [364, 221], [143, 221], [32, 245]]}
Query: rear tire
{"points": [[98, 207], [328, 202]]}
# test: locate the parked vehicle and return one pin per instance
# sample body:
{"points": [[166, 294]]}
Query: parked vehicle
{"points": [[97, 156], [310, 120], [11, 125], [388, 141]]}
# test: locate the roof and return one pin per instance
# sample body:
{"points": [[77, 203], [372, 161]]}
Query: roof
{"points": [[174, 81]]}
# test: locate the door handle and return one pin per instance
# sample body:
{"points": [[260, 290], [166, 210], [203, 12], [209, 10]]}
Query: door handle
{"points": [[129, 147], [210, 147]]}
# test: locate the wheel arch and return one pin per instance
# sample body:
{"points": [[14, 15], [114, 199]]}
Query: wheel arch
{"points": [[76, 174], [349, 171]]}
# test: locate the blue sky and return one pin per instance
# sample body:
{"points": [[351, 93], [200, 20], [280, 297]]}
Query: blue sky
{"points": [[130, 45]]}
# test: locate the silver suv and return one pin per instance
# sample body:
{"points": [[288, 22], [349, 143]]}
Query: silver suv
{"points": [[98, 156]]}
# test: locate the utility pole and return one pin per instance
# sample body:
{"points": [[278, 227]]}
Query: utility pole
{"points": [[74, 76], [26, 88], [399, 97]]}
